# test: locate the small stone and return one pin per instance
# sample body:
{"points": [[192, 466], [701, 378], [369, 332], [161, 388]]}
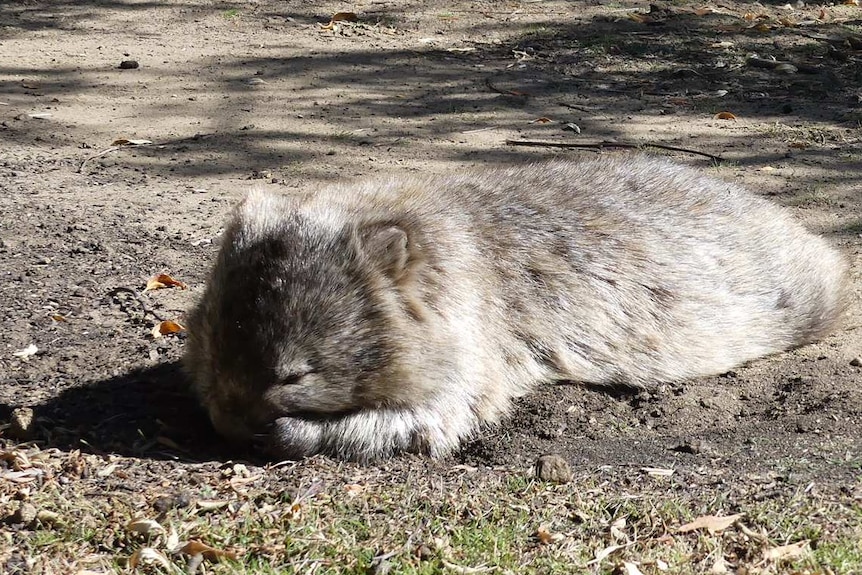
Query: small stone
{"points": [[25, 514], [22, 423], [129, 64], [553, 468], [856, 362]]}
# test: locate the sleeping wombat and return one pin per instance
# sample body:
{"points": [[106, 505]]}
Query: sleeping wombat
{"points": [[399, 314]]}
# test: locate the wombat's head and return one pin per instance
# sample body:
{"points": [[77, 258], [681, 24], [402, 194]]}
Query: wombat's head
{"points": [[304, 324]]}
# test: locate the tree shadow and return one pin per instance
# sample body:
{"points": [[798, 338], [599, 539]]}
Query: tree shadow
{"points": [[669, 65]]}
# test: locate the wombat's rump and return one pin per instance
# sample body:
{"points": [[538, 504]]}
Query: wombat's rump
{"points": [[400, 314]]}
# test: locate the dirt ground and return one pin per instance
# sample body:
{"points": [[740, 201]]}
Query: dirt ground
{"points": [[238, 94]]}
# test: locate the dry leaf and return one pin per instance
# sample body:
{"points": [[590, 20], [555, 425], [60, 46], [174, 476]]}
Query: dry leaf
{"points": [[542, 120], [127, 142], [206, 505], [787, 22], [58, 317], [639, 18], [545, 537], [144, 526], [786, 551], [166, 327], [719, 567], [703, 11], [40, 115], [603, 553], [354, 489], [107, 470], [851, 2], [711, 523], [27, 352], [657, 471], [210, 553], [340, 17], [148, 556], [631, 569], [724, 116], [799, 145], [163, 281]]}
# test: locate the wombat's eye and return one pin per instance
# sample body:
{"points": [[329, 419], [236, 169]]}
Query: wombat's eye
{"points": [[294, 376]]}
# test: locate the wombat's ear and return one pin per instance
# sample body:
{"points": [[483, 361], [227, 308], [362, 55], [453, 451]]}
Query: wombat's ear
{"points": [[387, 245]]}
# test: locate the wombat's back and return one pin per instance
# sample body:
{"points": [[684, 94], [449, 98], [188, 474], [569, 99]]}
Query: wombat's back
{"points": [[624, 270]]}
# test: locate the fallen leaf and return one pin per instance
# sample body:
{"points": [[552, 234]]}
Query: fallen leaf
{"points": [[27, 352], [542, 120], [40, 115], [799, 145], [166, 327], [194, 547], [602, 554], [354, 489], [631, 569], [712, 523], [58, 317], [703, 11], [787, 22], [786, 551], [545, 537], [127, 142], [719, 567], [639, 18], [107, 470], [163, 281], [340, 17], [148, 556], [851, 2], [210, 505], [724, 116], [657, 471], [144, 526]]}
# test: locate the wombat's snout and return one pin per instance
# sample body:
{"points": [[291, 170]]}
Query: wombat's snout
{"points": [[241, 420]]}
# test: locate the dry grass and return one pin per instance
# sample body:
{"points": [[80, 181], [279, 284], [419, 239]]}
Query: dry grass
{"points": [[413, 516]]}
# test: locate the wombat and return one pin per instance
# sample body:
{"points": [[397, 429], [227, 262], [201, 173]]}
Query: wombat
{"points": [[400, 314]]}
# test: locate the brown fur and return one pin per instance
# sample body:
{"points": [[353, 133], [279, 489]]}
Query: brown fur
{"points": [[399, 314]]}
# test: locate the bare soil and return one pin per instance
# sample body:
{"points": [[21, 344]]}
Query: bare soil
{"points": [[239, 94]]}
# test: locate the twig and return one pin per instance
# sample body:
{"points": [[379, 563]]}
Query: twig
{"points": [[94, 156], [144, 305], [494, 88], [602, 145], [581, 108]]}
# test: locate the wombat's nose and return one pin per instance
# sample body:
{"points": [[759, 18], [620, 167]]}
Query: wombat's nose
{"points": [[233, 424]]}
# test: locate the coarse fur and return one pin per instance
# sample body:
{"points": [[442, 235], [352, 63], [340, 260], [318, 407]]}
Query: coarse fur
{"points": [[401, 313]]}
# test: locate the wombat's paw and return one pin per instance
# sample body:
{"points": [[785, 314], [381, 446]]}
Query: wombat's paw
{"points": [[370, 435]]}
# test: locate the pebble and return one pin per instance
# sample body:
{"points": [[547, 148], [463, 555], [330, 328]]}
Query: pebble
{"points": [[856, 362], [25, 514], [553, 468]]}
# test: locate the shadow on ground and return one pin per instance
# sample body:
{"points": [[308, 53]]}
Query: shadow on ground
{"points": [[146, 412]]}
